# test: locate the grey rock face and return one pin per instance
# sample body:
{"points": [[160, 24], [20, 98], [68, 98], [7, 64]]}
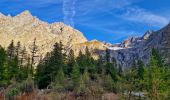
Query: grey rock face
{"points": [[140, 48]]}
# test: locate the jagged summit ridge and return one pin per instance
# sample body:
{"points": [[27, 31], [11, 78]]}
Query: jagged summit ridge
{"points": [[147, 34], [24, 13], [24, 27]]}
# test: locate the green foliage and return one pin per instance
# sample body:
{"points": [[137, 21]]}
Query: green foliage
{"points": [[27, 86], [156, 58], [11, 50], [108, 58], [140, 69], [157, 84], [10, 66], [81, 88], [71, 62], [10, 95], [59, 83], [81, 60], [99, 65], [34, 49], [76, 75], [84, 76], [52, 66], [60, 76], [131, 82], [111, 70], [109, 83], [56, 61], [18, 49], [3, 74]]}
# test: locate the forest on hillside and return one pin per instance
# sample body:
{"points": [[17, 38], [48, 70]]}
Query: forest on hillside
{"points": [[84, 77]]}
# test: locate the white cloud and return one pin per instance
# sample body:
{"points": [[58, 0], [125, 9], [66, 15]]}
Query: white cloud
{"points": [[143, 16]]}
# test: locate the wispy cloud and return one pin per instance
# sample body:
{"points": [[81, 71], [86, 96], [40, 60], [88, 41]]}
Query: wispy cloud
{"points": [[117, 32], [69, 11], [97, 6], [144, 16], [81, 8]]}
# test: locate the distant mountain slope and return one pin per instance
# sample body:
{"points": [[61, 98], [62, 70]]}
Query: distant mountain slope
{"points": [[139, 48]]}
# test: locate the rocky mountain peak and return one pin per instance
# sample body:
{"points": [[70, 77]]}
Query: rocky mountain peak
{"points": [[25, 13], [24, 27], [24, 17], [147, 34], [140, 48]]}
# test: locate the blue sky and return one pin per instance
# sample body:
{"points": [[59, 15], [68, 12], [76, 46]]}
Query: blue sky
{"points": [[104, 20]]}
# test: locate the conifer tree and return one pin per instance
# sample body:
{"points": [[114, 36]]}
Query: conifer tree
{"points": [[11, 50], [14, 68], [59, 82], [34, 50], [44, 73], [155, 54], [88, 57], [81, 60], [76, 75], [155, 79], [120, 70], [71, 62], [140, 69], [108, 55], [51, 66], [109, 83], [60, 76], [3, 57], [18, 48], [86, 77], [28, 64], [99, 65], [84, 83], [56, 60], [130, 82], [23, 54]]}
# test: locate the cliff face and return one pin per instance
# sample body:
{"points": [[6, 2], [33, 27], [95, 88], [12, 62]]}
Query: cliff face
{"points": [[140, 48], [25, 27], [161, 41]]}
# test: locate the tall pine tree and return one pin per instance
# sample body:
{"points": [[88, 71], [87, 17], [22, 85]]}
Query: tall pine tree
{"points": [[71, 62], [34, 50]]}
